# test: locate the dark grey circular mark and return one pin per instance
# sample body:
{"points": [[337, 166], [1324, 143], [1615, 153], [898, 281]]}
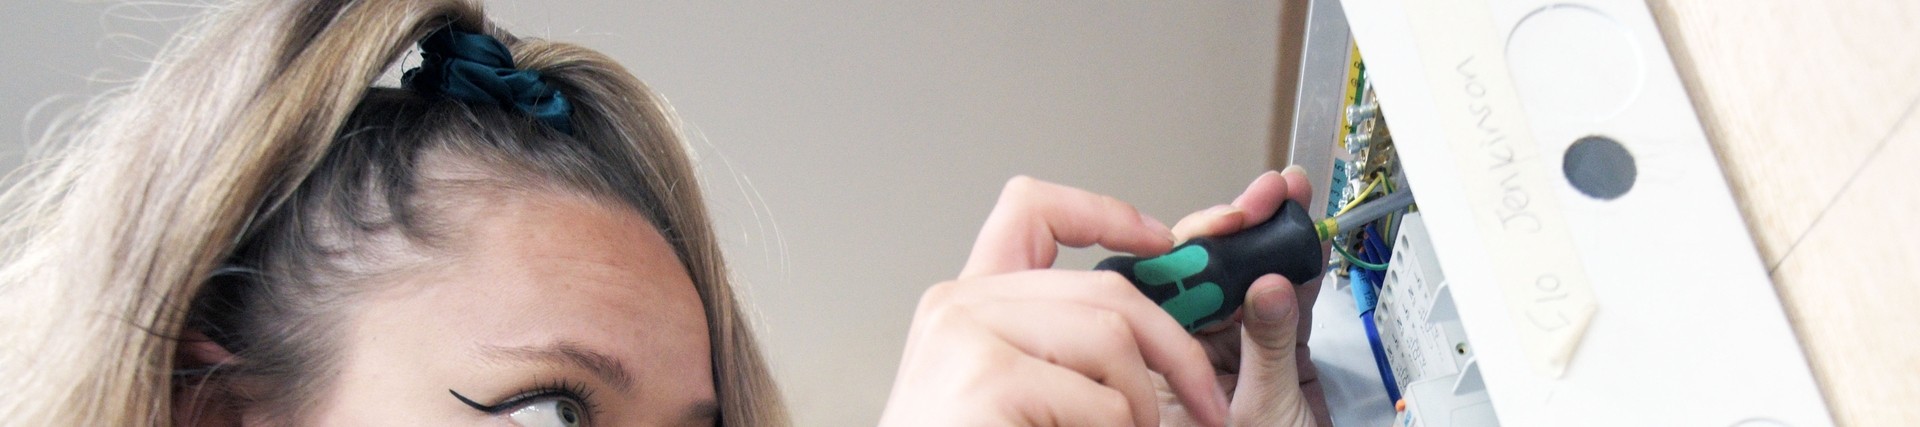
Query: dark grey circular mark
{"points": [[1599, 167]]}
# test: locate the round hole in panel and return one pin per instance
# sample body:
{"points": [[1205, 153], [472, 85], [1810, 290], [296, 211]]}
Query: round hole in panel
{"points": [[1574, 62], [1599, 167]]}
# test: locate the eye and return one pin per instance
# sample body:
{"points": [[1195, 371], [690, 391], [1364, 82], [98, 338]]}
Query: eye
{"points": [[555, 412]]}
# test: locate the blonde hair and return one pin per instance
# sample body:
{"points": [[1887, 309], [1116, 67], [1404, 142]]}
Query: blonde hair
{"points": [[242, 138]]}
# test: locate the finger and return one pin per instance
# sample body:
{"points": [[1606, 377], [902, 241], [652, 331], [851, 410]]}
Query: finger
{"points": [[1269, 388], [973, 373], [1306, 294], [1214, 221], [1033, 217], [1254, 205], [1301, 191], [1222, 346], [1264, 196], [1164, 345], [1316, 398], [1298, 188], [1097, 343], [1046, 394]]}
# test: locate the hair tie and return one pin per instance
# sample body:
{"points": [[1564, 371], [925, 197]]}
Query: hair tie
{"points": [[477, 68]]}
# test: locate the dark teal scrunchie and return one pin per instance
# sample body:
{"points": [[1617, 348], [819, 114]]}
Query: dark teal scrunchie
{"points": [[477, 68]]}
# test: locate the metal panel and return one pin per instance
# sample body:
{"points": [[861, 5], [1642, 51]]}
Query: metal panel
{"points": [[1316, 106]]}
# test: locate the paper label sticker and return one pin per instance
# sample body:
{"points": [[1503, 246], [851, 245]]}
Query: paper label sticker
{"points": [[1512, 193]]}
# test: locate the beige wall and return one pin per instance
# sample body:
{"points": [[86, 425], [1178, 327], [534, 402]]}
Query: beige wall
{"points": [[851, 149]]}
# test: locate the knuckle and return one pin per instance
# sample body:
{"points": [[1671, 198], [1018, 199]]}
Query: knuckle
{"points": [[1112, 283], [1117, 205], [1113, 327], [1000, 391], [1017, 398], [980, 365], [1115, 333], [1019, 185], [1019, 195], [936, 295], [1021, 181], [943, 316], [940, 308], [1115, 406]]}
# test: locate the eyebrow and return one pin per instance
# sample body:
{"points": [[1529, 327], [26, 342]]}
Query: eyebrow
{"points": [[571, 353]]}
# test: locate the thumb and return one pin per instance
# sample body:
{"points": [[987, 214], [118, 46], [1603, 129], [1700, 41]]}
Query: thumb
{"points": [[1268, 393]]}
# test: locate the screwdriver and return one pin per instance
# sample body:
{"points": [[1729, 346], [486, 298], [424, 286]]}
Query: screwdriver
{"points": [[1205, 279]]}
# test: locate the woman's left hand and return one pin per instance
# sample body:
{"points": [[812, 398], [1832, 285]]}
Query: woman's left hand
{"points": [[1260, 356]]}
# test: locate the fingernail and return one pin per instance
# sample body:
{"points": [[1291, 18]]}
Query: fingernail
{"points": [[1270, 306], [1159, 228], [1293, 169], [1222, 210]]}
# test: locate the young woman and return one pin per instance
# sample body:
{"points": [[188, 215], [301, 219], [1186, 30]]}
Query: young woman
{"points": [[255, 234]]}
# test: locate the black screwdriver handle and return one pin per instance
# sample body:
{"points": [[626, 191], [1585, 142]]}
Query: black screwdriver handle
{"points": [[1205, 279]]}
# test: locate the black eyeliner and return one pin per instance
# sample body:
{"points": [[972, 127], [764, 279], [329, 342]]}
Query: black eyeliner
{"points": [[561, 389], [495, 409]]}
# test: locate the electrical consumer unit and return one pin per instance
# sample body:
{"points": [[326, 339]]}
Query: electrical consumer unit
{"points": [[1574, 256]]}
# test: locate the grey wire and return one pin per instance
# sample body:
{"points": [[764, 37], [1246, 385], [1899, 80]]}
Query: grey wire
{"points": [[1374, 210]]}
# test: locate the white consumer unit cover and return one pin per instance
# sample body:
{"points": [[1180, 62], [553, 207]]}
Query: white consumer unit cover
{"points": [[1595, 255]]}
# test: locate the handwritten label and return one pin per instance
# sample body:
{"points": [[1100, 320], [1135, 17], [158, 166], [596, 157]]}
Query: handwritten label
{"points": [[1533, 258]]}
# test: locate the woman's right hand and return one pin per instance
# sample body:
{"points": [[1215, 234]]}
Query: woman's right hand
{"points": [[1011, 342]]}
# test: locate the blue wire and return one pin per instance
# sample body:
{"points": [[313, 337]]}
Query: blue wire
{"points": [[1380, 357], [1365, 295], [1375, 245], [1374, 277], [1382, 254], [1378, 252]]}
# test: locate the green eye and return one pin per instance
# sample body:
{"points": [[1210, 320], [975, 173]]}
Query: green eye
{"points": [[556, 412]]}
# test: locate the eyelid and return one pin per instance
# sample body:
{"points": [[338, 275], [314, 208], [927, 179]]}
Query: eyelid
{"points": [[557, 389], [490, 409]]}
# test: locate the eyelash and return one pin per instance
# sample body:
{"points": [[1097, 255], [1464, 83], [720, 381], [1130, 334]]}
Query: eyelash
{"points": [[557, 388]]}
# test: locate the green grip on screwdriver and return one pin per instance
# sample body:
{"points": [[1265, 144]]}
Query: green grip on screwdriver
{"points": [[1205, 279]]}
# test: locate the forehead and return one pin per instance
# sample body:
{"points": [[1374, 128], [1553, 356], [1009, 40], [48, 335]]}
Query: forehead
{"points": [[563, 259], [534, 270]]}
